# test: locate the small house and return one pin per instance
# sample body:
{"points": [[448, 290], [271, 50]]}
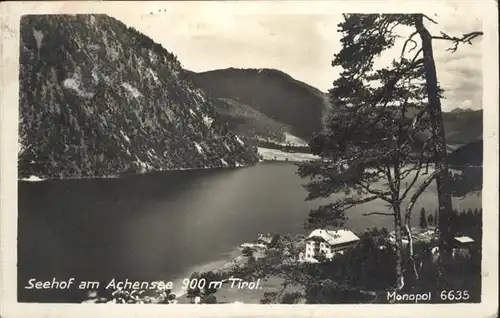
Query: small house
{"points": [[327, 243], [462, 248], [256, 250], [462, 241]]}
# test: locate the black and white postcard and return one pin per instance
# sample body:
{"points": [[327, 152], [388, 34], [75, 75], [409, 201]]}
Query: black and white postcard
{"points": [[249, 158]]}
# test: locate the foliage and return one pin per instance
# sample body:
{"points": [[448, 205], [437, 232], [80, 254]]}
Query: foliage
{"points": [[363, 274], [248, 121], [469, 223], [431, 219], [365, 267], [384, 128], [291, 298], [210, 299], [372, 133], [98, 98], [464, 271], [206, 292], [247, 251], [121, 296]]}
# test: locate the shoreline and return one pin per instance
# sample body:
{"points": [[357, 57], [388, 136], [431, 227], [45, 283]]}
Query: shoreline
{"points": [[181, 292], [270, 155], [34, 178], [293, 157], [266, 155], [226, 294]]}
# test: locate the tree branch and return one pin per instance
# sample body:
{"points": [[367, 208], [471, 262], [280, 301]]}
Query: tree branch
{"points": [[466, 38], [413, 200], [389, 179], [412, 183], [417, 117], [417, 167], [381, 194], [350, 203], [417, 194], [341, 206], [409, 39], [433, 21], [411, 252], [377, 213], [414, 60]]}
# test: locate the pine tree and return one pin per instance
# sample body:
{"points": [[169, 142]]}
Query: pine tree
{"points": [[430, 220], [423, 219], [371, 136], [437, 125]]}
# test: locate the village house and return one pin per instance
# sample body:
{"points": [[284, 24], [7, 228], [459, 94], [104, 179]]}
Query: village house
{"points": [[327, 243], [259, 248], [418, 235], [265, 239], [462, 242], [462, 247]]}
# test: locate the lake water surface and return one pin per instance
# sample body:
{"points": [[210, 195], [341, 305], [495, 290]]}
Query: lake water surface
{"points": [[162, 225]]}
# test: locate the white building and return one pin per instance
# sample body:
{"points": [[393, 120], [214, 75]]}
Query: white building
{"points": [[328, 243]]}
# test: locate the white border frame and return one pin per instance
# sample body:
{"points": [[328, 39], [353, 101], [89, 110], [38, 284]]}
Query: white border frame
{"points": [[10, 18]]}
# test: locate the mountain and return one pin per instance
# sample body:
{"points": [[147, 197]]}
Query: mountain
{"points": [[461, 110], [268, 104], [98, 98], [463, 127], [279, 102], [470, 154], [249, 122], [460, 127]]}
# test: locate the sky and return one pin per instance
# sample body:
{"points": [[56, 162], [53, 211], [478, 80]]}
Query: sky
{"points": [[302, 45]]}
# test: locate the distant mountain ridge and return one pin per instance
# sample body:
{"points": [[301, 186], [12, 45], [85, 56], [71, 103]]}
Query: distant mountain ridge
{"points": [[470, 154], [98, 98], [461, 110], [249, 122], [267, 103], [463, 127], [294, 107]]}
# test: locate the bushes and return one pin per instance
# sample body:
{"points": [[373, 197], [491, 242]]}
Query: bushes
{"points": [[466, 222], [247, 251], [207, 291], [423, 219]]}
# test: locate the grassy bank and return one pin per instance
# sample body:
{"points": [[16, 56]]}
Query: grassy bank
{"points": [[277, 155]]}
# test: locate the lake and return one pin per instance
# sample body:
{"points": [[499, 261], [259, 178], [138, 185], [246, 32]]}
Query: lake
{"points": [[163, 225]]}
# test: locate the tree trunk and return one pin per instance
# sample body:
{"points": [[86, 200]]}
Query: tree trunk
{"points": [[398, 229], [442, 178]]}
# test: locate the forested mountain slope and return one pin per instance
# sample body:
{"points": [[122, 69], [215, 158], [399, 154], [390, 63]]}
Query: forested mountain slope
{"points": [[266, 103], [281, 98], [463, 127], [470, 154], [98, 98]]}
